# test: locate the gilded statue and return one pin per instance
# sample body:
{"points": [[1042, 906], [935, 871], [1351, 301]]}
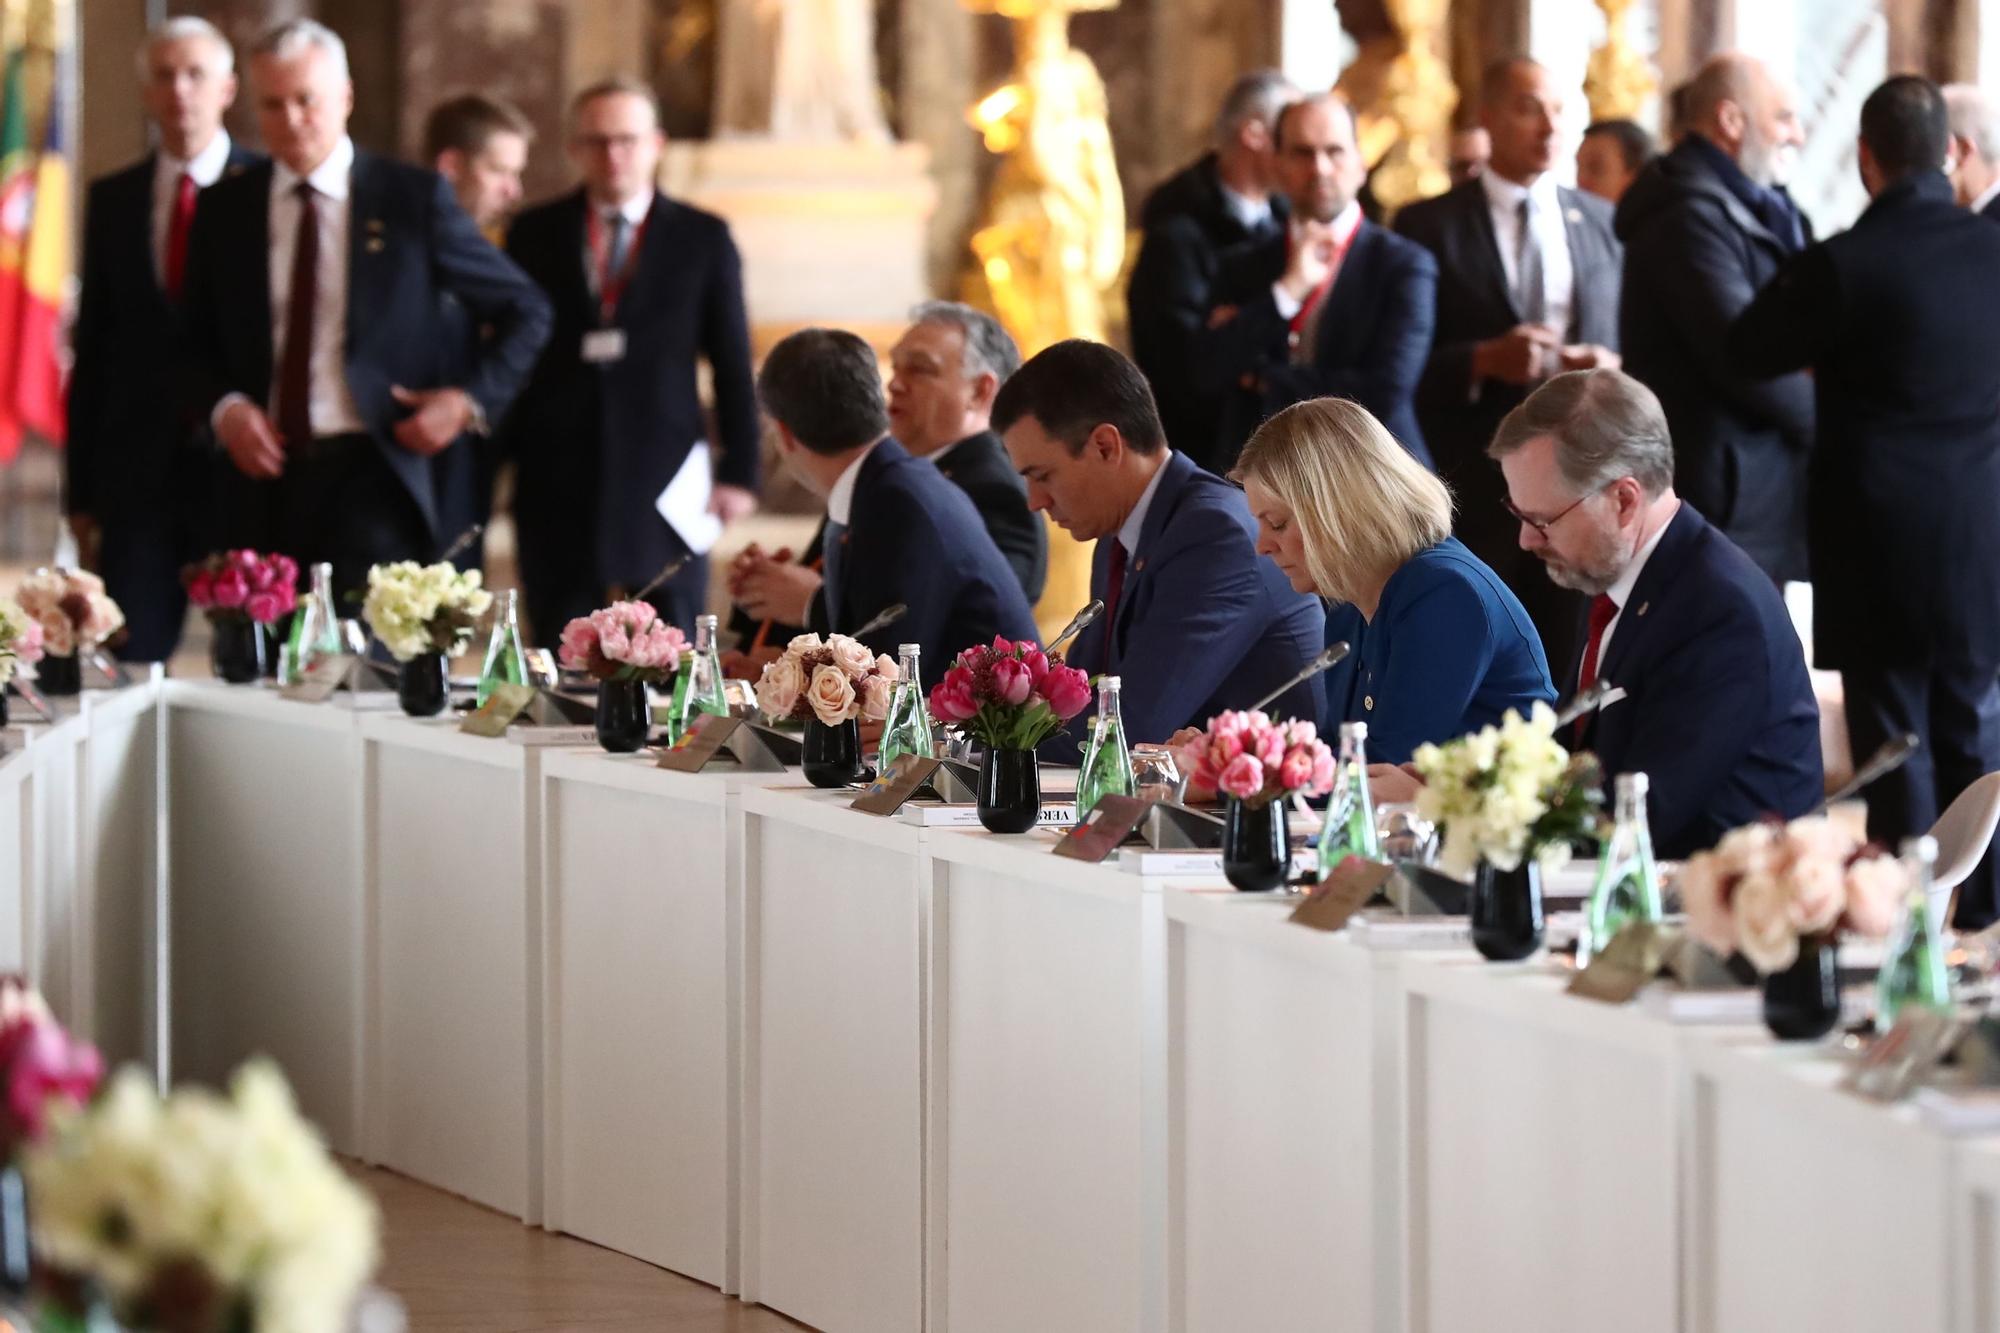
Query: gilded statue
{"points": [[799, 70], [1618, 80]]}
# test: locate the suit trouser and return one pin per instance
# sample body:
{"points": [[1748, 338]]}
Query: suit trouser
{"points": [[555, 597], [339, 502], [1954, 709], [141, 565]]}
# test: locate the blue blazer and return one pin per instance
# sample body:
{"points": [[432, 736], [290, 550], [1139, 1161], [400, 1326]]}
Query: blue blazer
{"points": [[1450, 650], [914, 537], [1718, 713], [1204, 623]]}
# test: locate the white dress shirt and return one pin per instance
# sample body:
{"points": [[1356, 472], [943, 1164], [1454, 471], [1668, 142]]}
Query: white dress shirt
{"points": [[1621, 591], [840, 500], [1503, 200], [1992, 192], [1135, 522], [206, 169], [332, 403], [1253, 215], [1344, 228]]}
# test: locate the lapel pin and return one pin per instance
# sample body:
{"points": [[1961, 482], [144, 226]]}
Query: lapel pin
{"points": [[375, 245], [375, 225], [1139, 564], [1574, 215], [1644, 607]]}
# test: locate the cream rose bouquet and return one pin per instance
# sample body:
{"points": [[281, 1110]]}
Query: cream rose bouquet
{"points": [[1507, 793], [829, 681], [70, 605], [20, 641], [416, 609], [1767, 886], [202, 1211]]}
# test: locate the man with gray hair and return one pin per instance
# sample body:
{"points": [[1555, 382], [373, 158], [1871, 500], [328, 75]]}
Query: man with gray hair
{"points": [[1706, 678], [1227, 197], [140, 489], [1975, 148]]}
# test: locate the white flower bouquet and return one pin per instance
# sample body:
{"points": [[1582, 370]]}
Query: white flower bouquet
{"points": [[416, 609], [20, 641], [1767, 886], [1507, 793]]}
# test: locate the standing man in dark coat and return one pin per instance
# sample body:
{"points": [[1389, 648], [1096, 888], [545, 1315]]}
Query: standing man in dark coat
{"points": [[320, 353], [1975, 148], [1226, 198], [644, 288], [1704, 229], [141, 483], [1528, 274], [1898, 319]]}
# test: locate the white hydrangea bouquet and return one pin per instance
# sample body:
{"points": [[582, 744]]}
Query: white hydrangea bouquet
{"points": [[202, 1211], [416, 609], [1507, 793], [20, 642]]}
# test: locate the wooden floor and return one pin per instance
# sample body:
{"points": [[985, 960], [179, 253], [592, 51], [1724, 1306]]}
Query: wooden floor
{"points": [[456, 1265]]}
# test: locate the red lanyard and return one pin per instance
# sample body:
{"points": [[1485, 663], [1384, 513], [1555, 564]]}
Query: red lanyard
{"points": [[1319, 293], [611, 286]]}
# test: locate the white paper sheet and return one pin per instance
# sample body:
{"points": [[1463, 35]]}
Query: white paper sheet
{"points": [[684, 504]]}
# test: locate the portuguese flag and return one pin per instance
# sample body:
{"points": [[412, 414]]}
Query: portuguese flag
{"points": [[17, 211], [35, 266]]}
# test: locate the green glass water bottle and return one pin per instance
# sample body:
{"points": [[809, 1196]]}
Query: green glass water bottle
{"points": [[677, 710], [708, 693], [315, 628], [1350, 812], [907, 729], [1628, 882], [1107, 760], [505, 663], [1913, 971]]}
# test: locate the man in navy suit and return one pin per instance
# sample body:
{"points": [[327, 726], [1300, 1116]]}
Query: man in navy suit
{"points": [[644, 289], [140, 479], [316, 332], [897, 531], [1528, 274], [1332, 306], [1899, 319], [1717, 710], [1975, 148], [1195, 622]]}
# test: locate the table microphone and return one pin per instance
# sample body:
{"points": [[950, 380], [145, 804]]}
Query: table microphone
{"points": [[1894, 753], [1323, 662], [887, 616], [461, 542], [667, 571], [1078, 624]]}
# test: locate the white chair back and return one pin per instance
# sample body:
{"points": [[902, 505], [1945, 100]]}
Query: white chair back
{"points": [[1963, 833]]}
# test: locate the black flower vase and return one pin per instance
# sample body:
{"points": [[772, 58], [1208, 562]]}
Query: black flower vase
{"points": [[5, 691], [60, 675], [1506, 910], [1256, 845], [624, 718], [832, 754], [1010, 791], [1802, 1002], [239, 649], [423, 684]]}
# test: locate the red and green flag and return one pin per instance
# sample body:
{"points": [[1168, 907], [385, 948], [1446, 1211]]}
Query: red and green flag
{"points": [[35, 264]]}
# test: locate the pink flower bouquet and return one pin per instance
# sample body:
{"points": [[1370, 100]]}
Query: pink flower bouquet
{"points": [[829, 681], [1251, 758], [1769, 885], [243, 585], [75, 615], [41, 1066], [624, 641], [1009, 696]]}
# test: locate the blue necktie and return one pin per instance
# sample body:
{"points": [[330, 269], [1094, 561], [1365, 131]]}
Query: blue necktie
{"points": [[831, 554]]}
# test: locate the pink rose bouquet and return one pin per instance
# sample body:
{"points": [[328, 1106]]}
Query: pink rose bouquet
{"points": [[1009, 696], [830, 681], [624, 641], [1250, 757], [75, 615], [1769, 885], [243, 585], [41, 1066]]}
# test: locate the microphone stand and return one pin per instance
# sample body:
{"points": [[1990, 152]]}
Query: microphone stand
{"points": [[1325, 661], [1077, 625]]}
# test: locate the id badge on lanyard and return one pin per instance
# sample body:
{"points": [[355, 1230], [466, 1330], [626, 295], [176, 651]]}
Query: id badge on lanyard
{"points": [[605, 344]]}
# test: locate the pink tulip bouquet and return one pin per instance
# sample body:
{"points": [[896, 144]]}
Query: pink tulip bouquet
{"points": [[1009, 696], [74, 613], [1251, 758], [41, 1067], [1768, 886], [828, 681], [624, 641], [243, 585]]}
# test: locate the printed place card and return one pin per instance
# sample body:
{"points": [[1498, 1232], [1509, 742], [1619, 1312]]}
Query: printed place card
{"points": [[1624, 966], [1333, 902], [319, 680], [1098, 836], [1900, 1059], [892, 790], [492, 718], [700, 744]]}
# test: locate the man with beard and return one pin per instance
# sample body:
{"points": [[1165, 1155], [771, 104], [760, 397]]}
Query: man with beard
{"points": [[1331, 307], [1705, 228], [1716, 707]]}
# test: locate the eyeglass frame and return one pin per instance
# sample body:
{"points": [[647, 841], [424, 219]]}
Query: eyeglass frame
{"points": [[1542, 526]]}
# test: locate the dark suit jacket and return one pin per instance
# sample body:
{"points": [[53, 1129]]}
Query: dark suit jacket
{"points": [[1204, 623], [1899, 319], [596, 444], [1374, 334], [1449, 651], [1188, 228], [1694, 258], [1474, 303], [408, 243], [128, 448], [1719, 712], [978, 466], [915, 538]]}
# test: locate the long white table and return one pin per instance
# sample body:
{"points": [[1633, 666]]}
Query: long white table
{"points": [[886, 1077]]}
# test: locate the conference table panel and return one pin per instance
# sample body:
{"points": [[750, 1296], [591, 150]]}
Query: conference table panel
{"points": [[119, 879], [1976, 1237], [20, 850]]}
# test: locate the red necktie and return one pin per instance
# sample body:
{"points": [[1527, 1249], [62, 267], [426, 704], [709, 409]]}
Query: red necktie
{"points": [[295, 375], [1602, 609], [177, 234], [1114, 583]]}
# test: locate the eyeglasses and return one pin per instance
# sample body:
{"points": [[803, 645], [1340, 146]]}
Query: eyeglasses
{"points": [[1542, 525]]}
